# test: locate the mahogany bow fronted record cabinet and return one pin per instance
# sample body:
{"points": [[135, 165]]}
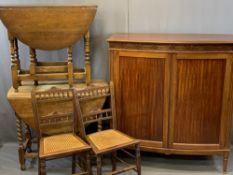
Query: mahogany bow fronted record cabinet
{"points": [[174, 92]]}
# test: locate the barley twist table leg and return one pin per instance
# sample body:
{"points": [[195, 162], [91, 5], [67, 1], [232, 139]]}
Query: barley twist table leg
{"points": [[21, 150]]}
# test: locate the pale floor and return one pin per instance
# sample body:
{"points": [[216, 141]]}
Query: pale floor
{"points": [[152, 164]]}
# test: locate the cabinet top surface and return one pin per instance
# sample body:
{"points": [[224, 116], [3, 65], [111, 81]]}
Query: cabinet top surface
{"points": [[173, 38]]}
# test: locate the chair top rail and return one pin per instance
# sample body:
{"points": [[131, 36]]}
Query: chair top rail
{"points": [[92, 91]]}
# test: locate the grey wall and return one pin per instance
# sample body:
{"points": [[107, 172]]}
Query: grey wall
{"points": [[148, 16]]}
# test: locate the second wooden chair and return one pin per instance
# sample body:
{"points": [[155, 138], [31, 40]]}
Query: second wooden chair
{"points": [[109, 140]]}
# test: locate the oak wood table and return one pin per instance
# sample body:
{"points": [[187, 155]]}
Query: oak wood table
{"points": [[174, 91]]}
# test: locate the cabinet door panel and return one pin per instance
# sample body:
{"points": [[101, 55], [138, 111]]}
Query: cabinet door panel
{"points": [[197, 98], [142, 104]]}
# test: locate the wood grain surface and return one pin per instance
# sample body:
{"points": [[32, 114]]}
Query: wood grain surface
{"points": [[198, 100], [174, 38], [174, 91], [48, 27], [142, 103]]}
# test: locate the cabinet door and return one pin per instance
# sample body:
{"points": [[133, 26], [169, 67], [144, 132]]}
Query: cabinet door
{"points": [[198, 113], [141, 85]]}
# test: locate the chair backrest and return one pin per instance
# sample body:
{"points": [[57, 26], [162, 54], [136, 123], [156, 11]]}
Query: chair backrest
{"points": [[96, 114], [54, 108]]}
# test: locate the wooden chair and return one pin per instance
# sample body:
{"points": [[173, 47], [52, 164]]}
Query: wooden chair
{"points": [[51, 109], [109, 140]]}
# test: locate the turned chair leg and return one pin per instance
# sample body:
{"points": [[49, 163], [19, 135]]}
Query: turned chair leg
{"points": [[21, 150], [138, 159], [41, 167], [114, 154], [88, 163], [73, 163], [99, 165], [225, 162]]}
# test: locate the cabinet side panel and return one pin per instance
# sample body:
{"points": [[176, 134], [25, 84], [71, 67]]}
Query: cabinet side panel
{"points": [[198, 100], [142, 97]]}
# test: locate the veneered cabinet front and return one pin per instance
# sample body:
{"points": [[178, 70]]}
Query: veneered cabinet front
{"points": [[142, 84], [197, 111]]}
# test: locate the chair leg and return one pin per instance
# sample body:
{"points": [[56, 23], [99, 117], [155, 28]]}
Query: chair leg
{"points": [[99, 165], [73, 163], [88, 163], [82, 161], [138, 159], [41, 167], [114, 154]]}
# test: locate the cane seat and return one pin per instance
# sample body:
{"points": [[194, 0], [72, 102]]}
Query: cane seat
{"points": [[108, 139], [61, 144]]}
